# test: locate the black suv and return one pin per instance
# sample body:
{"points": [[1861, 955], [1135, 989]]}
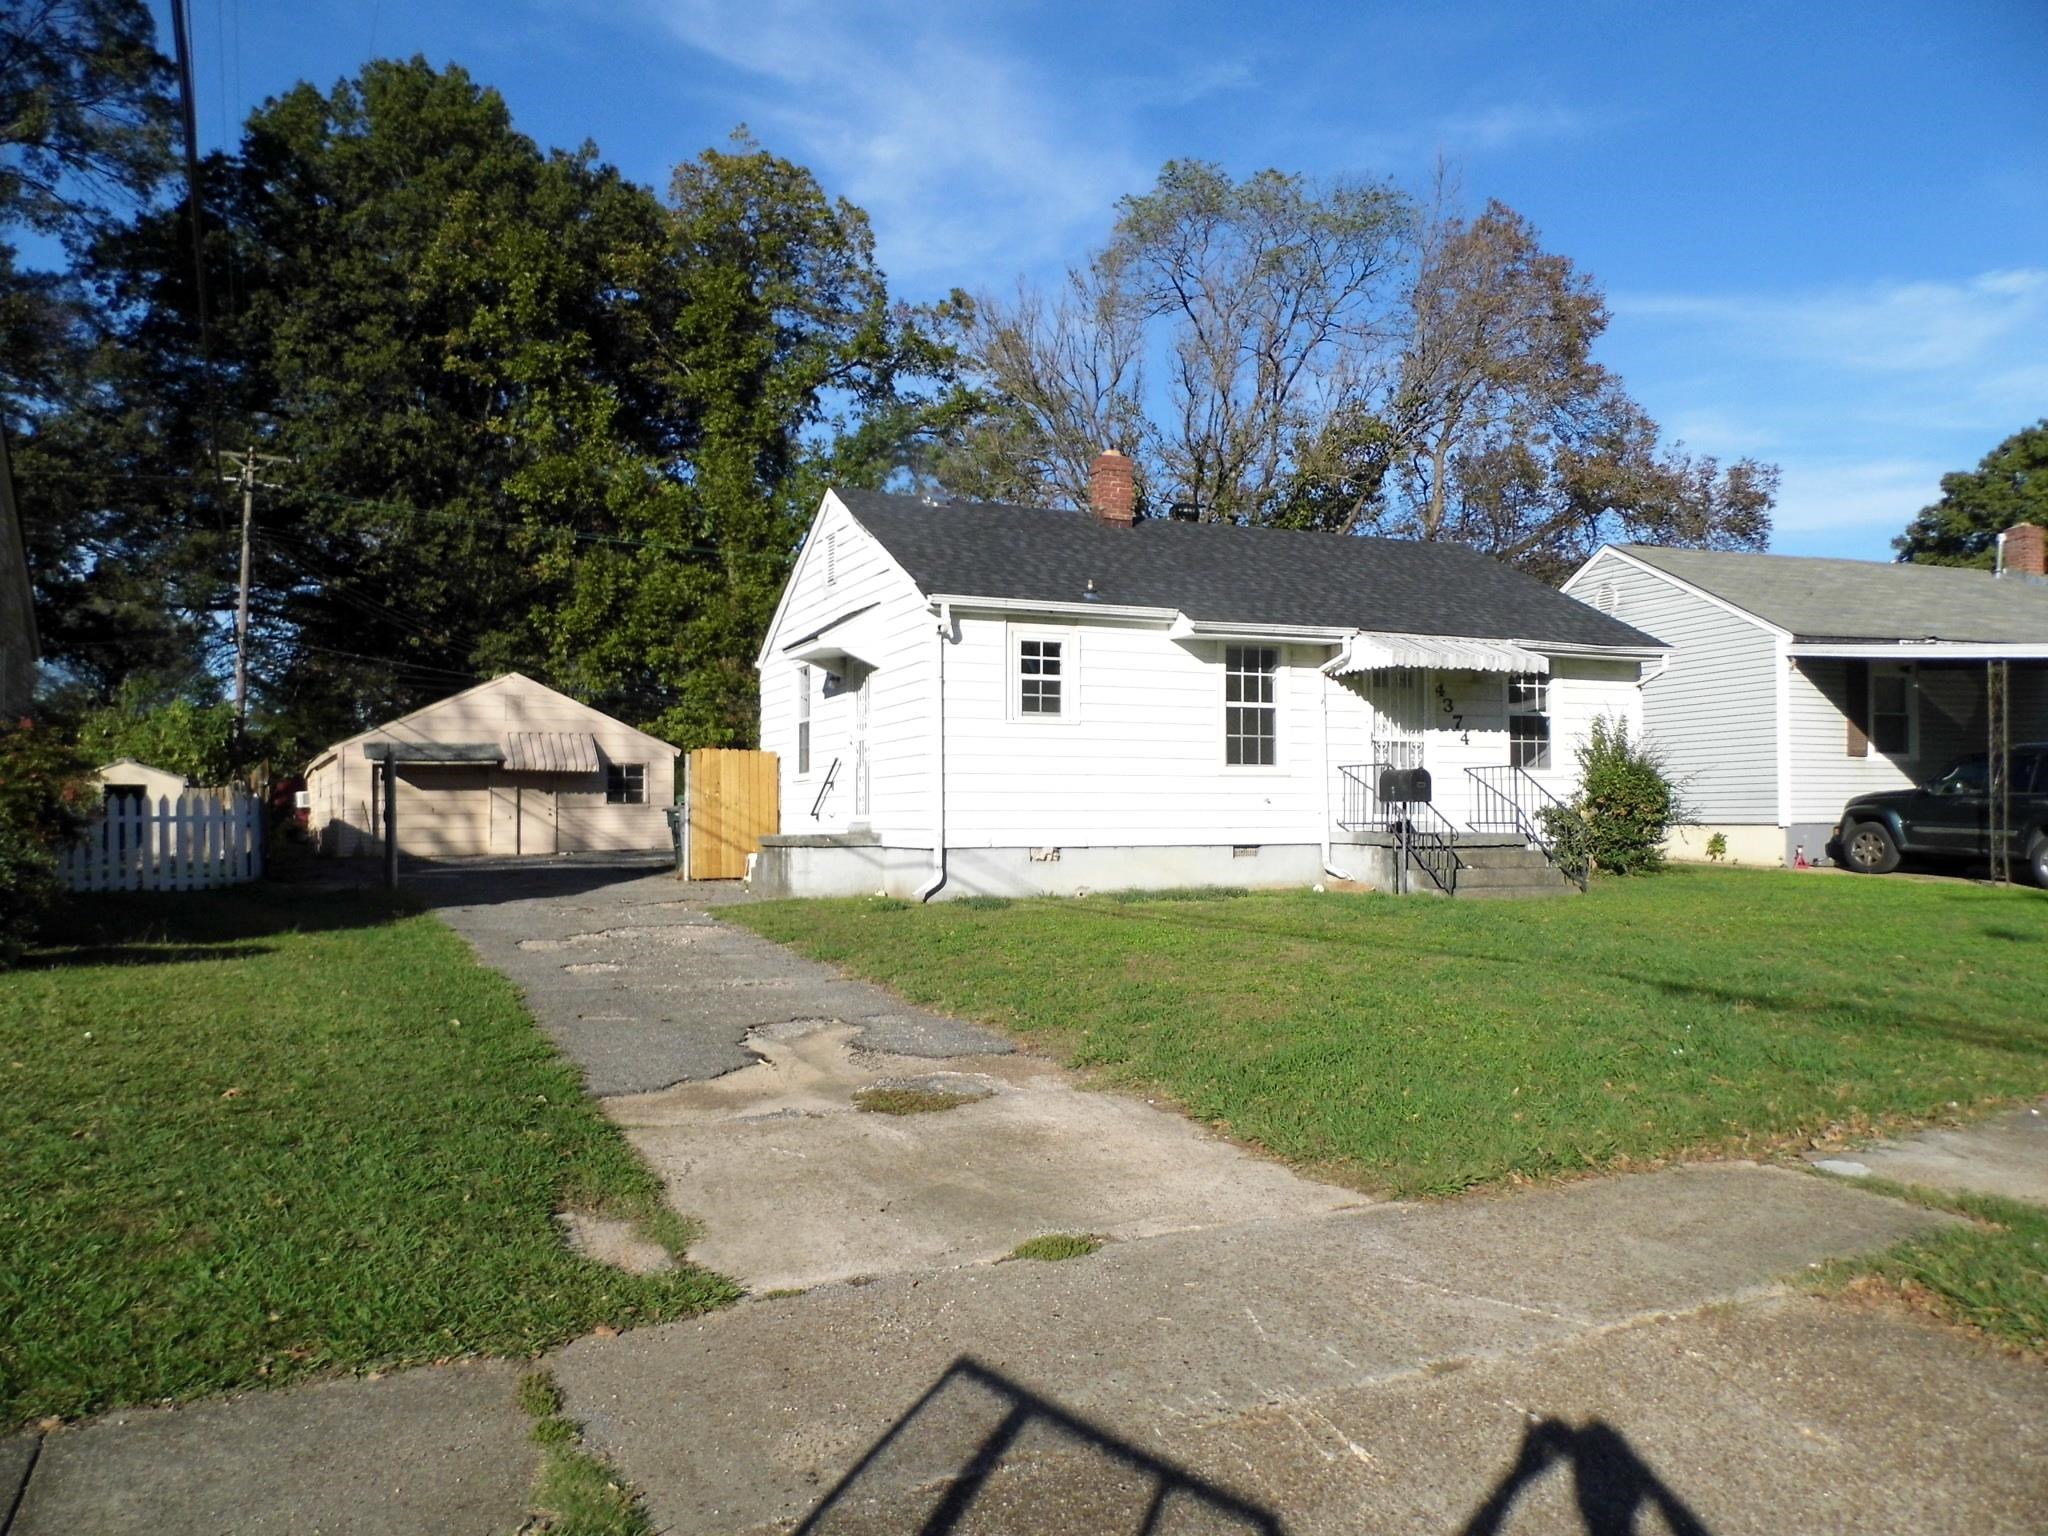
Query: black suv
{"points": [[1950, 818]]}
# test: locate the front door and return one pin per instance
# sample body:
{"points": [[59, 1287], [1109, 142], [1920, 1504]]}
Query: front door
{"points": [[1400, 714], [860, 746]]}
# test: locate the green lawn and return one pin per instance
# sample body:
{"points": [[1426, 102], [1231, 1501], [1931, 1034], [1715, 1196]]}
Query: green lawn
{"points": [[1419, 1045], [1990, 1275], [249, 1136]]}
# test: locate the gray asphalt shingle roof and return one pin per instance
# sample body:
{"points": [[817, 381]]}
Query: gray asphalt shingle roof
{"points": [[1223, 574], [1822, 599]]}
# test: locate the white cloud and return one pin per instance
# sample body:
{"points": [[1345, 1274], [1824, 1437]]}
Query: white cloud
{"points": [[972, 166], [1905, 327], [1508, 124], [1846, 497]]}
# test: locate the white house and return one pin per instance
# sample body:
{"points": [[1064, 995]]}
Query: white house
{"points": [[991, 699], [1796, 683], [507, 767]]}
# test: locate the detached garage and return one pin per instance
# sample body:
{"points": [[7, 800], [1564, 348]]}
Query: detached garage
{"points": [[508, 767]]}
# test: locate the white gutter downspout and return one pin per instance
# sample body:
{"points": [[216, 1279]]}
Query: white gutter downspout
{"points": [[1328, 869], [944, 631]]}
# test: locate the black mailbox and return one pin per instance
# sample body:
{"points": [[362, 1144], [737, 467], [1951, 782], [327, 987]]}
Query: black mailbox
{"points": [[1404, 786]]}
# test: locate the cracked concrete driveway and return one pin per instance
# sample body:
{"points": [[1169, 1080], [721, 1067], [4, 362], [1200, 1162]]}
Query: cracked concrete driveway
{"points": [[738, 1070], [630, 973]]}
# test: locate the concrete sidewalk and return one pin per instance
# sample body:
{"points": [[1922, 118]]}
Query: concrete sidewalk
{"points": [[2005, 1155], [1363, 1370]]}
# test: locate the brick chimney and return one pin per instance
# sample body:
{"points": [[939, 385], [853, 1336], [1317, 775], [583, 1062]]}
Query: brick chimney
{"points": [[2024, 552], [1112, 492]]}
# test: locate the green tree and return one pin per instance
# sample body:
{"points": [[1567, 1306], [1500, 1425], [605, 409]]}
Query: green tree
{"points": [[44, 799], [192, 737], [777, 362], [85, 131], [2008, 486]]}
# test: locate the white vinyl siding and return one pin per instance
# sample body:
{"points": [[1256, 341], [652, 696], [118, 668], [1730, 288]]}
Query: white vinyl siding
{"points": [[900, 801], [1144, 763], [1713, 709]]}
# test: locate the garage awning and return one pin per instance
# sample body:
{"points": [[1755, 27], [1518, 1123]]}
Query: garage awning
{"points": [[551, 752], [460, 752], [1379, 651]]}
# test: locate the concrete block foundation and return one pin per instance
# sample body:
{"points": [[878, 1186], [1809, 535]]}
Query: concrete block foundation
{"points": [[855, 866]]}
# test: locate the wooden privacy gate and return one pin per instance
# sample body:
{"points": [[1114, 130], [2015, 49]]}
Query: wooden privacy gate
{"points": [[733, 798]]}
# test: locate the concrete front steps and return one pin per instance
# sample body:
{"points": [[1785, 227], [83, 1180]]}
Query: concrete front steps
{"points": [[1508, 872]]}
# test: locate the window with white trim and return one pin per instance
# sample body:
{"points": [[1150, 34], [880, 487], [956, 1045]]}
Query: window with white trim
{"points": [[1891, 709], [1042, 675], [625, 784], [1529, 720], [803, 720], [1251, 713]]}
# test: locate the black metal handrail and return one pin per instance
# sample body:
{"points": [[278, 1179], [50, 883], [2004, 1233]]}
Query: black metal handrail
{"points": [[824, 789], [1429, 842], [1424, 838], [1510, 800]]}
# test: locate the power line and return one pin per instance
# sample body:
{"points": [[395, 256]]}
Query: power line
{"points": [[402, 509]]}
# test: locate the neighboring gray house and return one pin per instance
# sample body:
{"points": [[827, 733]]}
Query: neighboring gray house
{"points": [[1796, 683], [18, 647]]}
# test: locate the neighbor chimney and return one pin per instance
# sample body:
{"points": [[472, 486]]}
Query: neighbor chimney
{"points": [[1111, 490], [2024, 554]]}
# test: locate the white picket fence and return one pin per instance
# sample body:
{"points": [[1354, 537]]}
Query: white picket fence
{"points": [[193, 843]]}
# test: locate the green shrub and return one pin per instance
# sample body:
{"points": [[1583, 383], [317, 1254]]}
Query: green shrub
{"points": [[1626, 803], [168, 732], [44, 799], [1717, 847]]}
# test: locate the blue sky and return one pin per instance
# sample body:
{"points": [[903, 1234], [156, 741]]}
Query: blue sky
{"points": [[1823, 228]]}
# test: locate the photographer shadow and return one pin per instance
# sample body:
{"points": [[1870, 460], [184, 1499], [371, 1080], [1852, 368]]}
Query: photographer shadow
{"points": [[979, 1451]]}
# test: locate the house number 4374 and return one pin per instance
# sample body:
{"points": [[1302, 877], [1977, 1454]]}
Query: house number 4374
{"points": [[1447, 705]]}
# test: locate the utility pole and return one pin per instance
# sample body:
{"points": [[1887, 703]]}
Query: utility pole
{"points": [[245, 475]]}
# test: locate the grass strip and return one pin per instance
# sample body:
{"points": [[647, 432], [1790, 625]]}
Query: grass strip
{"points": [[1055, 1246], [576, 1492], [253, 1135], [1991, 1275]]}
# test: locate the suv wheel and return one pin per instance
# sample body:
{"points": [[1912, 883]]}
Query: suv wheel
{"points": [[2037, 860], [1868, 849]]}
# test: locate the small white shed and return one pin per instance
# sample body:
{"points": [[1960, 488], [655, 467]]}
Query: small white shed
{"points": [[126, 779], [508, 767]]}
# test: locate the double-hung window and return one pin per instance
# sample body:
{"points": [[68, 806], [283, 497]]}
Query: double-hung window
{"points": [[625, 784], [1529, 720], [803, 719], [1891, 710], [1251, 715], [1042, 676]]}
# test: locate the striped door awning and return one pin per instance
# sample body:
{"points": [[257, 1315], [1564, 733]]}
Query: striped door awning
{"points": [[551, 752]]}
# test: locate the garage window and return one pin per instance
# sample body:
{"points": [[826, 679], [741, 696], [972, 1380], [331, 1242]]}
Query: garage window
{"points": [[625, 784]]}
